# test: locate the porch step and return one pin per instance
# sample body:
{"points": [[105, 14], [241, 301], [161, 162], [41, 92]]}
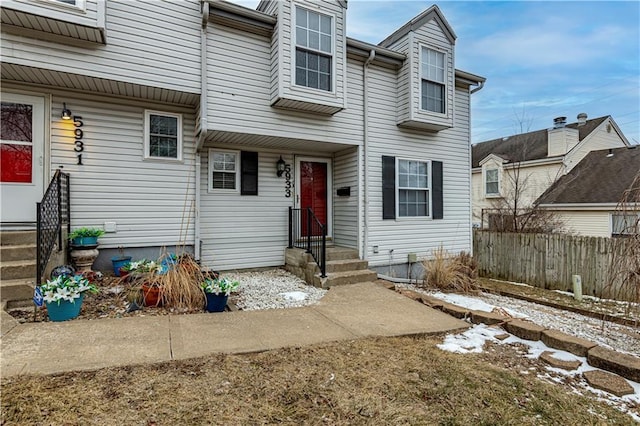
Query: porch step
{"points": [[13, 290], [347, 277], [13, 238], [17, 269], [10, 253], [341, 253], [346, 265]]}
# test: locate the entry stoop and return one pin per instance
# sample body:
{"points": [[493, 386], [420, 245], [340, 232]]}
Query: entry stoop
{"points": [[17, 265], [343, 267]]}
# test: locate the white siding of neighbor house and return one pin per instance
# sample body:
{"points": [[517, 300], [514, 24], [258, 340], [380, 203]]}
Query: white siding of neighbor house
{"points": [[600, 138], [345, 209], [417, 235], [153, 43], [586, 223], [409, 110], [286, 62], [239, 91], [152, 202], [533, 181]]}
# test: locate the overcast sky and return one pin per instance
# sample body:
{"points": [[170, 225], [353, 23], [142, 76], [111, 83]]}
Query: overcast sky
{"points": [[541, 59]]}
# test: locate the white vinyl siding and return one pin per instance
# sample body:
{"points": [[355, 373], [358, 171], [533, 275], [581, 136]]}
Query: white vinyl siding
{"points": [[450, 146], [162, 52], [245, 232], [224, 169], [239, 86], [345, 208], [151, 202], [163, 135]]}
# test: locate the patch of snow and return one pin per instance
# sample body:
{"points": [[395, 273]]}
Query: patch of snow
{"points": [[564, 356], [511, 282], [464, 301], [294, 295], [471, 341]]}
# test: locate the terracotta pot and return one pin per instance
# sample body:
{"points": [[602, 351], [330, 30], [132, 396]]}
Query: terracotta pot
{"points": [[152, 294]]}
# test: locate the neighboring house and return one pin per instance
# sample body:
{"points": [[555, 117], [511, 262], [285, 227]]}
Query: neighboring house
{"points": [[519, 168], [600, 196], [187, 109]]}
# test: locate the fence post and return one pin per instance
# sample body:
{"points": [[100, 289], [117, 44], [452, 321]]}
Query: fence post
{"points": [[290, 227], [59, 189], [38, 243], [323, 265], [309, 230]]}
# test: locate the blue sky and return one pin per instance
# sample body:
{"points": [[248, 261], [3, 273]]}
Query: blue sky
{"points": [[541, 59]]}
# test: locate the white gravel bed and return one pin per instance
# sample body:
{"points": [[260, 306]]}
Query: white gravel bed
{"points": [[273, 289], [615, 336]]}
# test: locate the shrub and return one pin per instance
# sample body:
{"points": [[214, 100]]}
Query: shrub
{"points": [[457, 273]]}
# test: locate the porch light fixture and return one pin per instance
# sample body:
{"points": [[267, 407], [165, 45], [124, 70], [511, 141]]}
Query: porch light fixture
{"points": [[280, 165], [66, 113]]}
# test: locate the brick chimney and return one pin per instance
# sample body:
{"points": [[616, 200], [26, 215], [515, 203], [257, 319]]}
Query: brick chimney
{"points": [[560, 139]]}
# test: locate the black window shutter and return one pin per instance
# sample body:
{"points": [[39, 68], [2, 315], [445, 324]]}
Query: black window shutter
{"points": [[388, 187], [248, 173], [436, 180]]}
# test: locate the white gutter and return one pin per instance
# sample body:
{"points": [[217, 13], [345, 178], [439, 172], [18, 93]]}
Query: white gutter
{"points": [[528, 163], [583, 206], [365, 121]]}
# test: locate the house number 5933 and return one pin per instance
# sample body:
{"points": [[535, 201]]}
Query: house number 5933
{"points": [[78, 133]]}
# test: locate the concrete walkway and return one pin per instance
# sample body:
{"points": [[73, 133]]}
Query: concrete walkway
{"points": [[345, 313]]}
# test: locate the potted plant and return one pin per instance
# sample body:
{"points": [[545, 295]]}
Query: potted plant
{"points": [[64, 294], [85, 236], [144, 270], [217, 291], [119, 261]]}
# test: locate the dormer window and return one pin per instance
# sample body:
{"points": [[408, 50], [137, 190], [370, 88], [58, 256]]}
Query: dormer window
{"points": [[492, 183], [433, 87], [314, 49]]}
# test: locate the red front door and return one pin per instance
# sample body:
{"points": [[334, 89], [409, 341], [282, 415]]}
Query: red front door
{"points": [[313, 192]]}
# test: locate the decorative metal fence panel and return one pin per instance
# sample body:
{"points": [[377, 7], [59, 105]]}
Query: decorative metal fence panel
{"points": [[53, 212], [308, 233]]}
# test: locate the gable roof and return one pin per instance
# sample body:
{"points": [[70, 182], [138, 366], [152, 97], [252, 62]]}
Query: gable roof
{"points": [[433, 12], [598, 178], [526, 146]]}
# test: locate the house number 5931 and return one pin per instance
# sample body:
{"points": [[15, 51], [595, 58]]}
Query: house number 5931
{"points": [[77, 122]]}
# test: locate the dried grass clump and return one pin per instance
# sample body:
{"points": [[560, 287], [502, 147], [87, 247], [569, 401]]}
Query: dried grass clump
{"points": [[451, 273]]}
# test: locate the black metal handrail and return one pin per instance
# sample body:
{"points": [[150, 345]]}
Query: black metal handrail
{"points": [[53, 212], [308, 233]]}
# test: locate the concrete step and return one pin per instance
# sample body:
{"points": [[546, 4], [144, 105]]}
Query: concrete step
{"points": [[18, 252], [346, 265], [11, 238], [342, 278], [14, 290], [17, 269], [341, 253]]}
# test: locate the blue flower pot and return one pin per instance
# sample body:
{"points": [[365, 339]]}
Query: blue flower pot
{"points": [[84, 241], [119, 262], [216, 302], [65, 310]]}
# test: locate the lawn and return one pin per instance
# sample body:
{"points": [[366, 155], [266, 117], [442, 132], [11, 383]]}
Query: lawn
{"points": [[369, 381]]}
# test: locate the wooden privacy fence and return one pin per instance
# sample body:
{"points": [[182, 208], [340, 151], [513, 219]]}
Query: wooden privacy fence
{"points": [[550, 260]]}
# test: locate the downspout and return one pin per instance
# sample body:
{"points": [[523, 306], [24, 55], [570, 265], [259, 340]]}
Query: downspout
{"points": [[365, 142], [202, 130], [471, 92]]}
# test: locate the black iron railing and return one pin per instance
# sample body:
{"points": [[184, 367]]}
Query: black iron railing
{"points": [[53, 212], [308, 233]]}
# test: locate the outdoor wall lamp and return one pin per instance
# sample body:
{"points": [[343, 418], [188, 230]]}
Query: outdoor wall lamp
{"points": [[66, 113], [280, 165]]}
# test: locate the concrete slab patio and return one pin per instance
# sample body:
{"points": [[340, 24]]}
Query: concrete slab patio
{"points": [[346, 312]]}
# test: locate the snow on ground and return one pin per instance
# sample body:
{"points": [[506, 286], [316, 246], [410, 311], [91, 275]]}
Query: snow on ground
{"points": [[616, 336], [473, 340], [273, 289]]}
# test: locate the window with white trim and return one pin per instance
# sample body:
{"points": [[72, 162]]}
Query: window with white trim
{"points": [[413, 188], [224, 169], [76, 3], [624, 225], [163, 135], [432, 74], [491, 179], [314, 49]]}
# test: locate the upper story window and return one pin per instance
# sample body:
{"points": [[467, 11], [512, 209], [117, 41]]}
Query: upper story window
{"points": [[624, 225], [413, 188], [76, 3], [314, 49], [433, 87], [491, 184], [163, 135]]}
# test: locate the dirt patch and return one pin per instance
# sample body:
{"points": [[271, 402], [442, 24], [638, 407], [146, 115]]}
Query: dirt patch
{"points": [[369, 381]]}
